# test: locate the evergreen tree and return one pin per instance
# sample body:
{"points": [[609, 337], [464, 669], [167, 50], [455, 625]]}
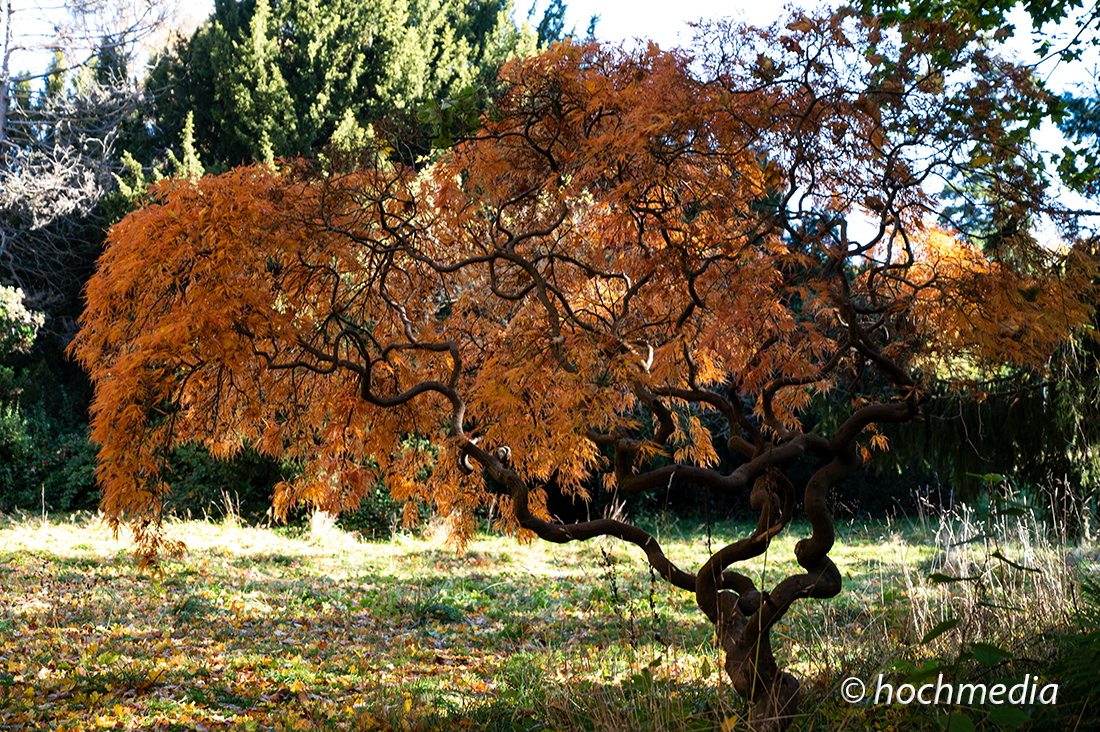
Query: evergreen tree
{"points": [[283, 78], [552, 26]]}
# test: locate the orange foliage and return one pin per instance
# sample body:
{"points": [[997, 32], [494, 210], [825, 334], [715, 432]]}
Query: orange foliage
{"points": [[988, 315], [626, 242], [621, 238]]}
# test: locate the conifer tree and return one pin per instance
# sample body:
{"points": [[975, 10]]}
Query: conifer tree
{"points": [[298, 69]]}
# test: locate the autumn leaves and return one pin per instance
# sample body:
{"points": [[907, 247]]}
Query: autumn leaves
{"points": [[637, 271]]}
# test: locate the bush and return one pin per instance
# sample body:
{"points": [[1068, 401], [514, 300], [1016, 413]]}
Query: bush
{"points": [[18, 326], [202, 485], [1078, 650], [377, 515], [43, 468], [47, 462]]}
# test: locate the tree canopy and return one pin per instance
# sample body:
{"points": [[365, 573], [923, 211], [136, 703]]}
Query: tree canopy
{"points": [[640, 256], [61, 132], [1064, 30]]}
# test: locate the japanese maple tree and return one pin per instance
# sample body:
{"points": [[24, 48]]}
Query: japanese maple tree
{"points": [[636, 258]]}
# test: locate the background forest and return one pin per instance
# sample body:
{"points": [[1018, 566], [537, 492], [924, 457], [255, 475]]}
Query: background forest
{"points": [[81, 141]]}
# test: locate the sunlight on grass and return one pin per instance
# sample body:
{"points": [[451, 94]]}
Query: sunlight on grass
{"points": [[258, 628]]}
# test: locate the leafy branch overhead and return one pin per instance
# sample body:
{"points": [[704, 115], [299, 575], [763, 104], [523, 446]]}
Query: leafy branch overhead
{"points": [[1063, 34], [629, 239]]}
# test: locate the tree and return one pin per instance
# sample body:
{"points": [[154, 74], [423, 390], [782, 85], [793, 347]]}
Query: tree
{"points": [[627, 266], [60, 165], [1065, 28], [551, 28], [60, 135], [1039, 432], [1079, 166], [276, 80]]}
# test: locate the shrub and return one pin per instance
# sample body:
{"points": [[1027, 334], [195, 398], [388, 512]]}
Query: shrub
{"points": [[202, 485], [18, 325]]}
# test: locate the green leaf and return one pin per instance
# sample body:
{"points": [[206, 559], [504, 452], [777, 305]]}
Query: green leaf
{"points": [[705, 670], [955, 722], [939, 630], [926, 672], [972, 540], [937, 578], [988, 477], [1008, 716], [996, 606], [107, 658], [997, 554], [989, 653], [902, 666]]}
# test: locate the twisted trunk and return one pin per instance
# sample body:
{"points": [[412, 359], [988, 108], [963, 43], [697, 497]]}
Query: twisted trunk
{"points": [[756, 676], [743, 616]]}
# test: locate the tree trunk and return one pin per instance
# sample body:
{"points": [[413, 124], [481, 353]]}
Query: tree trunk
{"points": [[5, 80], [751, 666]]}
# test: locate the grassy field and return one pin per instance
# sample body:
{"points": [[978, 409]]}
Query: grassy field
{"points": [[258, 629]]}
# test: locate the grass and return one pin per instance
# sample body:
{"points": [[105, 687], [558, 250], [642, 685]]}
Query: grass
{"points": [[257, 629]]}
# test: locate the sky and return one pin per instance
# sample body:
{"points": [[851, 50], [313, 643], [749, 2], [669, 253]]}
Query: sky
{"points": [[664, 21], [621, 21]]}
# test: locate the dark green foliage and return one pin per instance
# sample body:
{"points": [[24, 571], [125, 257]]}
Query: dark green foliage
{"points": [[975, 15], [205, 486], [277, 81], [452, 118], [1040, 435], [46, 462], [237, 90], [989, 19], [1080, 164], [377, 516], [552, 26], [1082, 117]]}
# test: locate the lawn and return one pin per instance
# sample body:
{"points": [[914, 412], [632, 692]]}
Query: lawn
{"points": [[288, 628]]}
